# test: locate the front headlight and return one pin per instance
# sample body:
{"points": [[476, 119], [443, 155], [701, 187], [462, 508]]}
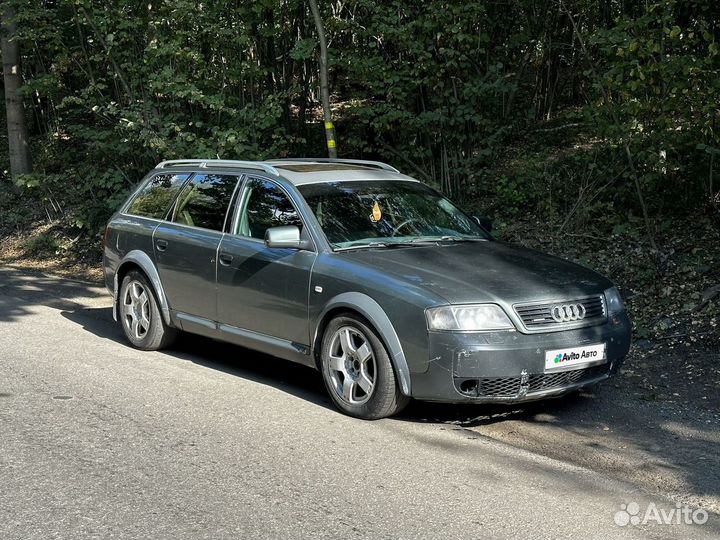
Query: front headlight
{"points": [[468, 318], [614, 301]]}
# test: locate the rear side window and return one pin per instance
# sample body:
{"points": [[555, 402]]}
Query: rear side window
{"points": [[157, 196], [204, 201]]}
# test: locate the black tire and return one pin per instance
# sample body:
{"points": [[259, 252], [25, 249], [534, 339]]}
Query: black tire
{"points": [[140, 316], [384, 398]]}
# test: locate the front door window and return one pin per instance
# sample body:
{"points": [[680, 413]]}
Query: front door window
{"points": [[266, 206]]}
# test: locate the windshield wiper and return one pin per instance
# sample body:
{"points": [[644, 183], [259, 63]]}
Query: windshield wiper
{"points": [[460, 239], [385, 245], [418, 242]]}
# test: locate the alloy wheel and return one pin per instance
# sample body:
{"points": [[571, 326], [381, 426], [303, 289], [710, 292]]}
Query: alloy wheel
{"points": [[351, 366], [135, 310]]}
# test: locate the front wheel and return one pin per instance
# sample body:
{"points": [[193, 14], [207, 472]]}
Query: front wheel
{"points": [[357, 370], [140, 314]]}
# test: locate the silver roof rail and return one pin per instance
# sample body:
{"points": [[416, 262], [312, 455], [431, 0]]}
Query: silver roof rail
{"points": [[204, 163], [366, 163]]}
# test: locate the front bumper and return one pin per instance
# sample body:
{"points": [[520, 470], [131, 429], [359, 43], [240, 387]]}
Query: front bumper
{"points": [[509, 367]]}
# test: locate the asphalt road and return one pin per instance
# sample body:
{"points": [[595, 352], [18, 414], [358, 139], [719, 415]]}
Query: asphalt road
{"points": [[213, 441]]}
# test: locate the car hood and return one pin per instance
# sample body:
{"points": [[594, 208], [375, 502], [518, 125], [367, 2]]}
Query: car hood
{"points": [[490, 271]]}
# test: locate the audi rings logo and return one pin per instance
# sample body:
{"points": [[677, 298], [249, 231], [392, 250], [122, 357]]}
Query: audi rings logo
{"points": [[568, 312]]}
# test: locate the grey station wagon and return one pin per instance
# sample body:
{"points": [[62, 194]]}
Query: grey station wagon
{"points": [[368, 275]]}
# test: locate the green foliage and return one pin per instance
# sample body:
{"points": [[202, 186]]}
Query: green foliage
{"points": [[430, 82], [660, 82], [495, 103]]}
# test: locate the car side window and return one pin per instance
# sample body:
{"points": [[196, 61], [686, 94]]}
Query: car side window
{"points": [[156, 197], [204, 201], [265, 206]]}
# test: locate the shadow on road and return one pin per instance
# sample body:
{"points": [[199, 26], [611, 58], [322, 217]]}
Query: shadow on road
{"points": [[667, 449], [35, 288], [292, 378]]}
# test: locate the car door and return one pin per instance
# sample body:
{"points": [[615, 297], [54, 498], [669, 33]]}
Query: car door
{"points": [[260, 289], [186, 248]]}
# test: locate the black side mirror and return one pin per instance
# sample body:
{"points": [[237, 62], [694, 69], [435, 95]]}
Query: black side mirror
{"points": [[484, 222]]}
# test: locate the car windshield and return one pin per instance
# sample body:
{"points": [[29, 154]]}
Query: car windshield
{"points": [[387, 213]]}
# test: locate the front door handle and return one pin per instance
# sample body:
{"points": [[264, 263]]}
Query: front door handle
{"points": [[225, 259], [161, 245]]}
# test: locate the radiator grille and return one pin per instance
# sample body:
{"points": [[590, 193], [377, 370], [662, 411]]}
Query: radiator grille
{"points": [[539, 316]]}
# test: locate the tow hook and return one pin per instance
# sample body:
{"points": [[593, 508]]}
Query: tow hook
{"points": [[524, 383]]}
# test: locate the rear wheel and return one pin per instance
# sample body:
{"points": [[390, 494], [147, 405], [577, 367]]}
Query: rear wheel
{"points": [[357, 370], [140, 315]]}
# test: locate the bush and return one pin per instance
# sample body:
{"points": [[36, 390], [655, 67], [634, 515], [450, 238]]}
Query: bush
{"points": [[42, 246]]}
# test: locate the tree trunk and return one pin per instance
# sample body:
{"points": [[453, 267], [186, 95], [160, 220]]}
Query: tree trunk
{"points": [[324, 90], [20, 162]]}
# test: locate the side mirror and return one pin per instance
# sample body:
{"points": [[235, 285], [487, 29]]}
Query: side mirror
{"points": [[286, 237], [484, 222]]}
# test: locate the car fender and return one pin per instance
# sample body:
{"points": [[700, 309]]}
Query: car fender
{"points": [[375, 314], [143, 260]]}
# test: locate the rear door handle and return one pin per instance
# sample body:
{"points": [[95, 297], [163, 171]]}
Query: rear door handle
{"points": [[225, 259], [161, 245]]}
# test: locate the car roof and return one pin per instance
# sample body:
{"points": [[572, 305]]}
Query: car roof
{"points": [[304, 171]]}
